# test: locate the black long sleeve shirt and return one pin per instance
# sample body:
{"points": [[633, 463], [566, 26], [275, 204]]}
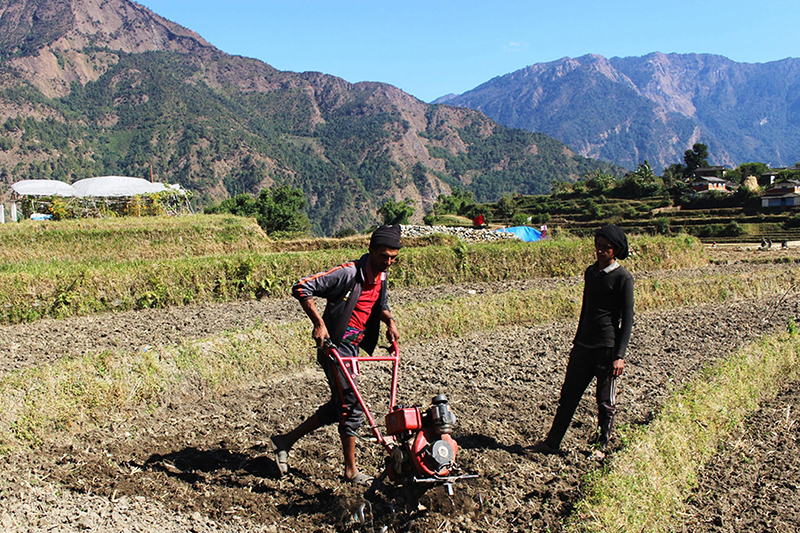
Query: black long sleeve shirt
{"points": [[607, 310]]}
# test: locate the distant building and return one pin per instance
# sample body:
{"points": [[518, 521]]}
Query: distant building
{"points": [[703, 184], [784, 193], [710, 172], [708, 179], [768, 178]]}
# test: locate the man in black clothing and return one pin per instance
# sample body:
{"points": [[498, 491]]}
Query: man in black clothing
{"points": [[598, 351]]}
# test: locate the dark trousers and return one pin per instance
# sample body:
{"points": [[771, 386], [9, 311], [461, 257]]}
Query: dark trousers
{"points": [[585, 364], [343, 406]]}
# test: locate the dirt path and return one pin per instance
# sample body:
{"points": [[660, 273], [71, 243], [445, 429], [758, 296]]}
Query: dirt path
{"points": [[204, 465]]}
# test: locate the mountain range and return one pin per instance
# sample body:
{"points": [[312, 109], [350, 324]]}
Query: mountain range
{"points": [[628, 110], [107, 87]]}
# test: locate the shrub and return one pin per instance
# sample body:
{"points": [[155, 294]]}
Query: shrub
{"points": [[520, 219], [662, 225], [791, 222], [393, 212], [279, 211], [540, 218], [345, 232], [732, 229]]}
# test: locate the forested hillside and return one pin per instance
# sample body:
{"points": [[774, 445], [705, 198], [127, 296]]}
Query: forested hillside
{"points": [[89, 88], [652, 108]]}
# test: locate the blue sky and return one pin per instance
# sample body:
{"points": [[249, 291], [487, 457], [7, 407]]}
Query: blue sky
{"points": [[432, 48]]}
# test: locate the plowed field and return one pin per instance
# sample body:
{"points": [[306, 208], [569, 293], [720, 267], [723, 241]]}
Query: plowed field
{"points": [[205, 463]]}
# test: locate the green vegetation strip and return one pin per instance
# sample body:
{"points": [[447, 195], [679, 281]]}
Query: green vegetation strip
{"points": [[648, 483], [76, 395], [31, 243], [33, 290]]}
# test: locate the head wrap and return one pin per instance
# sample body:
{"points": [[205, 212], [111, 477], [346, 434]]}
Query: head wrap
{"points": [[388, 236], [616, 237]]}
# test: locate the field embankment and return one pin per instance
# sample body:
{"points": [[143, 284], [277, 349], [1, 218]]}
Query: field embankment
{"points": [[80, 268]]}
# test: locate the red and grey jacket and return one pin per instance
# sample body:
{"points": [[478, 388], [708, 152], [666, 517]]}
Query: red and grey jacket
{"points": [[341, 286]]}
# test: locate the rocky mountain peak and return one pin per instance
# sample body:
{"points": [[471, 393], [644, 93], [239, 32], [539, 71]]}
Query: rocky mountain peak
{"points": [[654, 107], [56, 43]]}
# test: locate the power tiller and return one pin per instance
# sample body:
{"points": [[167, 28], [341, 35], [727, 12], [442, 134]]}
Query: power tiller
{"points": [[421, 450]]}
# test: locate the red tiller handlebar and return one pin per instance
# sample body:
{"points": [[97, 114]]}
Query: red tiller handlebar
{"points": [[347, 362]]}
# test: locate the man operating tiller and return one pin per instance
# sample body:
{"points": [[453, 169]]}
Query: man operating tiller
{"points": [[357, 302]]}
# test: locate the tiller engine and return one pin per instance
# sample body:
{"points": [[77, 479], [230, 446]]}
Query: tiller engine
{"points": [[424, 451]]}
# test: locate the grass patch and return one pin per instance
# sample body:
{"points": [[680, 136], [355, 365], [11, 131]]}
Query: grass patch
{"points": [[648, 483], [75, 395], [32, 242], [462, 315]]}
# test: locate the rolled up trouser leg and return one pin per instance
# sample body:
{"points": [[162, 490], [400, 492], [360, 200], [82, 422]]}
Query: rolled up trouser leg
{"points": [[343, 406]]}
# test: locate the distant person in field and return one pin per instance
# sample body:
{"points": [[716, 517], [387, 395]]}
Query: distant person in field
{"points": [[598, 350], [357, 303], [479, 221]]}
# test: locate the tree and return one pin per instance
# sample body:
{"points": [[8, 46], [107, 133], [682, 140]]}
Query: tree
{"points": [[246, 177], [789, 174], [464, 200], [281, 210], [646, 180], [277, 210], [560, 188], [750, 169], [507, 206], [345, 232], [396, 212], [599, 182], [459, 203], [641, 182], [242, 205], [695, 158], [420, 176], [674, 175]]}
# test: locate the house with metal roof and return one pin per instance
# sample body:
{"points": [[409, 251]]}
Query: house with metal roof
{"points": [[784, 193], [703, 184]]}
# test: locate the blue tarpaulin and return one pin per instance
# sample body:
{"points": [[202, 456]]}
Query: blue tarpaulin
{"points": [[525, 233]]}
